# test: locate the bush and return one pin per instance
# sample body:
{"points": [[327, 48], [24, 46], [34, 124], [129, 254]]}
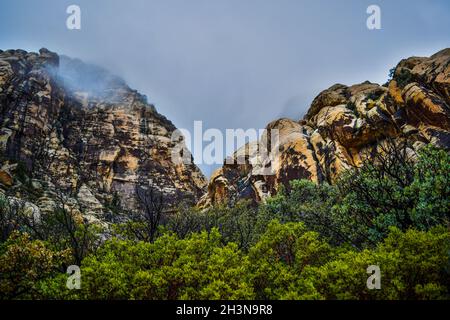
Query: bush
{"points": [[393, 189], [403, 78], [413, 265], [198, 267], [305, 202], [308, 242], [280, 257], [24, 263], [235, 224]]}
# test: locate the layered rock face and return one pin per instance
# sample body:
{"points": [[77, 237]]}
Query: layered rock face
{"points": [[81, 131], [342, 126]]}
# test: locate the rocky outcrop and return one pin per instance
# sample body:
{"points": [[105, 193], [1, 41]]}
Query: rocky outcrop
{"points": [[77, 129], [342, 126]]}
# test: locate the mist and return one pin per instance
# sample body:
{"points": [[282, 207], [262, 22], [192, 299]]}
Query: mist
{"points": [[78, 76]]}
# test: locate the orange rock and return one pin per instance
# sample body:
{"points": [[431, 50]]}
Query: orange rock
{"points": [[6, 178]]}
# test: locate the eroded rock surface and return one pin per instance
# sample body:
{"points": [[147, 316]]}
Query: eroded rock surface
{"points": [[86, 133], [341, 127]]}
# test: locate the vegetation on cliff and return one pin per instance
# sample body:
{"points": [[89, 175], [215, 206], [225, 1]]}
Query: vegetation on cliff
{"points": [[308, 242]]}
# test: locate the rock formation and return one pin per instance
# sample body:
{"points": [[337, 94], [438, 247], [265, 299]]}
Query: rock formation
{"points": [[75, 128], [342, 126]]}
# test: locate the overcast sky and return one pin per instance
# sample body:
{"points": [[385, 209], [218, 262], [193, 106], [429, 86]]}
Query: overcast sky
{"points": [[231, 63]]}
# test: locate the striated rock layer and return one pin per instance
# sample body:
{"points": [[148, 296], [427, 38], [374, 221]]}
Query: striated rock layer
{"points": [[342, 126], [83, 131]]}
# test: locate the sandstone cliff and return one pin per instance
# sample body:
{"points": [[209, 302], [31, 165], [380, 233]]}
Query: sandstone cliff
{"points": [[75, 128], [342, 126]]}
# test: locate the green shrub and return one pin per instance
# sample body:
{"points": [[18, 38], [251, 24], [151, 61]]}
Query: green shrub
{"points": [[280, 257], [413, 265], [24, 263], [198, 267]]}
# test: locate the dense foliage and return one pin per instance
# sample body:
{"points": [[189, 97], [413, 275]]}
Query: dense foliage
{"points": [[307, 242]]}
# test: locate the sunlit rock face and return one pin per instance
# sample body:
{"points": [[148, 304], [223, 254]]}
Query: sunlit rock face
{"points": [[85, 132], [342, 126]]}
